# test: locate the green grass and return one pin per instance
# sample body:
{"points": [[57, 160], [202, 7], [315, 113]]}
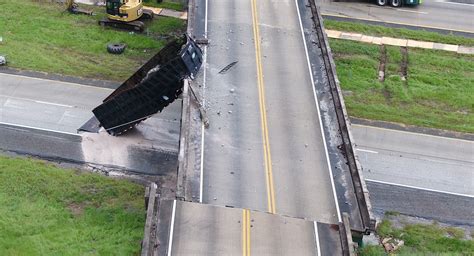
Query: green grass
{"points": [[50, 211], [422, 239], [375, 30], [165, 4], [439, 92], [43, 37]]}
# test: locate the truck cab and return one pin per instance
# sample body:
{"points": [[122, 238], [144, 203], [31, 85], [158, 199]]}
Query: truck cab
{"points": [[398, 3]]}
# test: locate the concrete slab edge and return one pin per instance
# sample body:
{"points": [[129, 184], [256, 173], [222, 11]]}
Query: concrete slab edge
{"points": [[413, 129], [64, 135], [58, 77], [185, 121], [182, 152]]}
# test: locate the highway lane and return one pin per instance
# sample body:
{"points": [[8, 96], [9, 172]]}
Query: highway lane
{"points": [[47, 104], [442, 207], [264, 148], [417, 160], [432, 13], [233, 161], [303, 186]]}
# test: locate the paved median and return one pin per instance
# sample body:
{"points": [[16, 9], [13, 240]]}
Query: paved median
{"points": [[399, 42]]}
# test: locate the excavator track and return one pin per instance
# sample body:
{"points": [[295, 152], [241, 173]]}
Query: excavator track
{"points": [[136, 25]]}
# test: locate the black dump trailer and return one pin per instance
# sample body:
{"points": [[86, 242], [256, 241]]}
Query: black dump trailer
{"points": [[153, 87]]}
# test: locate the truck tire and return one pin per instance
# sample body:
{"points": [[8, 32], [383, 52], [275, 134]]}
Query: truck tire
{"points": [[395, 3], [381, 2], [116, 48]]}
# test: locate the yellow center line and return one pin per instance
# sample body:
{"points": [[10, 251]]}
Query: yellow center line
{"points": [[245, 232], [263, 113]]}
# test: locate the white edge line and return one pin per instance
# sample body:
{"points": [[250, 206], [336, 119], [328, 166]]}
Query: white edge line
{"points": [[366, 150], [53, 104], [316, 234], [420, 188], [201, 178], [413, 133], [41, 129], [411, 11], [57, 81], [448, 2], [319, 114], [173, 214]]}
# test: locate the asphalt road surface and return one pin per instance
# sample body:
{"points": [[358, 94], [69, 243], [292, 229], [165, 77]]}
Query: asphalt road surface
{"points": [[416, 160], [441, 14], [442, 207], [264, 149], [47, 104]]}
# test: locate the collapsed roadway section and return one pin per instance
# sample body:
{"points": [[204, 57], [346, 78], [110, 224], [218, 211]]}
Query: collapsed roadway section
{"points": [[279, 137]]}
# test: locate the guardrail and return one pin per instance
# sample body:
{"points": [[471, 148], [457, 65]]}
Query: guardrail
{"points": [[360, 188]]}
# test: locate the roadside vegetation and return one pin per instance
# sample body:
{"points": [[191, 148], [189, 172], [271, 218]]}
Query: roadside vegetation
{"points": [[375, 30], [421, 239], [438, 91], [165, 4], [42, 36], [46, 210]]}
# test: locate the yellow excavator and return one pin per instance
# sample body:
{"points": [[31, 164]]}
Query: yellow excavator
{"points": [[126, 14]]}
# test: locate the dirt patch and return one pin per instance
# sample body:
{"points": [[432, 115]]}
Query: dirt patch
{"points": [[77, 209], [382, 63], [404, 65]]}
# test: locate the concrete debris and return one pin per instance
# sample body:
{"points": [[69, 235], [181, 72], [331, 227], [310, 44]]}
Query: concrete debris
{"points": [[391, 244], [3, 60], [226, 68], [230, 111], [232, 90]]}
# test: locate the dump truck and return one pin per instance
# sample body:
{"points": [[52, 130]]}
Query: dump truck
{"points": [[149, 90]]}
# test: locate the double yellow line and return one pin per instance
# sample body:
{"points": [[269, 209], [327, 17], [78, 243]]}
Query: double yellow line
{"points": [[246, 232], [266, 141], [263, 113]]}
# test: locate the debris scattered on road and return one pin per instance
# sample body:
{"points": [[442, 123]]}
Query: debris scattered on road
{"points": [[226, 68], [232, 90], [230, 111], [202, 111]]}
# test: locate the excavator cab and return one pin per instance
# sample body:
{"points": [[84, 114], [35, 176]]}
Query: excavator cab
{"points": [[126, 14], [113, 7]]}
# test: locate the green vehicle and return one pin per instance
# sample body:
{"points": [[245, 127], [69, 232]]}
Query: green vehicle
{"points": [[398, 3]]}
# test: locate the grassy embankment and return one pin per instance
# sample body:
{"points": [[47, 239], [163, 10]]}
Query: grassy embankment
{"points": [[41, 36], [439, 91], [422, 239], [50, 211]]}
